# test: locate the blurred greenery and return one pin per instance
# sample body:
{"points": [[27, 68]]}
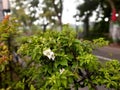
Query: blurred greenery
{"points": [[32, 58], [51, 60]]}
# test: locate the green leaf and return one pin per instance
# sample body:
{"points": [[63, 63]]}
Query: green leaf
{"points": [[32, 87], [64, 82], [75, 64], [64, 62], [61, 62], [2, 67]]}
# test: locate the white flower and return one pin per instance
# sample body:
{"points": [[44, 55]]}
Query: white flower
{"points": [[49, 54], [29, 41], [52, 56], [62, 70]]}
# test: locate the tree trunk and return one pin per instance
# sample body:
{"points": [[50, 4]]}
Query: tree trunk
{"points": [[60, 22], [45, 27], [86, 26], [59, 11]]}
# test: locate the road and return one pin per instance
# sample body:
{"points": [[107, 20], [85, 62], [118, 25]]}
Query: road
{"points": [[107, 53]]}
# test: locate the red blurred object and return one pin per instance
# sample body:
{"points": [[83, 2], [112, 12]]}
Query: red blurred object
{"points": [[113, 17], [6, 19]]}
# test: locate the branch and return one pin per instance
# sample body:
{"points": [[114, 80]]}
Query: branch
{"points": [[111, 4]]}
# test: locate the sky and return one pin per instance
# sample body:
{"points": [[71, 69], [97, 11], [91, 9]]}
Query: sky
{"points": [[69, 11]]}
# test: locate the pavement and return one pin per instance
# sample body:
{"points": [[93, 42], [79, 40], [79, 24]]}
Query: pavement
{"points": [[107, 53]]}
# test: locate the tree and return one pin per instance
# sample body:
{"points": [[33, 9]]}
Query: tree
{"points": [[22, 17], [53, 11], [20, 10], [114, 22], [103, 10], [47, 11], [86, 10]]}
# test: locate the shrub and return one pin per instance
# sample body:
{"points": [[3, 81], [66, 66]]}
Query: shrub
{"points": [[61, 61], [53, 61]]}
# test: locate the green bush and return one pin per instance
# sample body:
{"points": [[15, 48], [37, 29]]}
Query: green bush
{"points": [[56, 61], [61, 61], [7, 34]]}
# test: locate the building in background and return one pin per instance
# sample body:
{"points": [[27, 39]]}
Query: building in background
{"points": [[4, 8], [1, 10]]}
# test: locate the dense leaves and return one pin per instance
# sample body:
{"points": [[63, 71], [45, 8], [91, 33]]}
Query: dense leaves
{"points": [[7, 34], [64, 54], [53, 61]]}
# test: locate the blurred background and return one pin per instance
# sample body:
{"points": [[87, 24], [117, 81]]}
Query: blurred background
{"points": [[90, 18]]}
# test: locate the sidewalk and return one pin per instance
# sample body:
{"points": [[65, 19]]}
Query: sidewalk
{"points": [[108, 53]]}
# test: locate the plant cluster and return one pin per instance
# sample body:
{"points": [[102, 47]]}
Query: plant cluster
{"points": [[64, 62], [54, 60]]}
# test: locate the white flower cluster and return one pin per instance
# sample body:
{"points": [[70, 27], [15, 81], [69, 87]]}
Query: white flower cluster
{"points": [[49, 54], [62, 70]]}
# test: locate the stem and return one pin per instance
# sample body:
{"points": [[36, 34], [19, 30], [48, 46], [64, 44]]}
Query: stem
{"points": [[88, 74], [9, 56], [93, 85], [59, 11]]}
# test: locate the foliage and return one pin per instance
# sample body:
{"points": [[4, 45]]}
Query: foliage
{"points": [[98, 6], [88, 6], [47, 12], [20, 8], [24, 19], [53, 60], [61, 61], [7, 32], [54, 9], [102, 9], [111, 74], [4, 56]]}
